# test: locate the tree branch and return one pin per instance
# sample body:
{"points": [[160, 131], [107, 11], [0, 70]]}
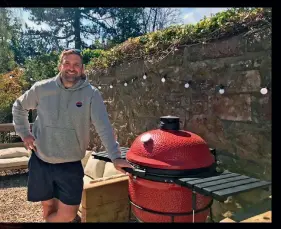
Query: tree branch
{"points": [[93, 19], [48, 34]]}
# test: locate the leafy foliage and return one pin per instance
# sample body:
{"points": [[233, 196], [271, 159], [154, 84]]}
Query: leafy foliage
{"points": [[41, 67], [89, 54], [12, 85], [7, 62], [125, 23], [64, 25], [25, 47], [222, 24]]}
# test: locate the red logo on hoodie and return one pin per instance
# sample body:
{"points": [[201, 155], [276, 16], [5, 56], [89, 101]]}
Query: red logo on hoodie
{"points": [[79, 104]]}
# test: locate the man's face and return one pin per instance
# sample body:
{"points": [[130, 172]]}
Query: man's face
{"points": [[71, 68]]}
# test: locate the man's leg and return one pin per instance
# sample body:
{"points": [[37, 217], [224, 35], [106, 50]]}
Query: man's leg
{"points": [[68, 188], [64, 213], [49, 207]]}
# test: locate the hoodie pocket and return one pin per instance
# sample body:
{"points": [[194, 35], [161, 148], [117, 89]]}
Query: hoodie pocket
{"points": [[62, 142]]}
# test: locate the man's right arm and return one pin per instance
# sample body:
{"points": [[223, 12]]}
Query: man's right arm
{"points": [[27, 101]]}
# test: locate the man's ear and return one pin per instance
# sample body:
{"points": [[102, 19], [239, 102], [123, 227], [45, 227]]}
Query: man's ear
{"points": [[59, 67], [83, 69]]}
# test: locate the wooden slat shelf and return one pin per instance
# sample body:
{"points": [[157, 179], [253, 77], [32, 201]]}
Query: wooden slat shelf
{"points": [[223, 185]]}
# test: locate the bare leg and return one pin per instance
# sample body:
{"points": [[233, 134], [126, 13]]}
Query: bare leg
{"points": [[49, 207], [64, 213]]}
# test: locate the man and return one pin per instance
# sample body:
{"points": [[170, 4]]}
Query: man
{"points": [[66, 106]]}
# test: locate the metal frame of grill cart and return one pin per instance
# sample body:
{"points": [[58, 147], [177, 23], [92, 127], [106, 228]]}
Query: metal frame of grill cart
{"points": [[218, 185]]}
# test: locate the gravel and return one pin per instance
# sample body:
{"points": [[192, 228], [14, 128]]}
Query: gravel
{"points": [[14, 206]]}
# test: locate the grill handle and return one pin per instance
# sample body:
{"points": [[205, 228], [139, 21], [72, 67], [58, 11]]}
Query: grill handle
{"points": [[214, 152], [135, 171]]}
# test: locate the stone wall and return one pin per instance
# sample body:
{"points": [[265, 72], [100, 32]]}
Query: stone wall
{"points": [[236, 123]]}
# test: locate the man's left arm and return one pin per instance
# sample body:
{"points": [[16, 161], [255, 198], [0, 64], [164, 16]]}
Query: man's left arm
{"points": [[99, 117]]}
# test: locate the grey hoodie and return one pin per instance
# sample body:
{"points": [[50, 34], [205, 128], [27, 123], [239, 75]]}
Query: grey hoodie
{"points": [[62, 127]]}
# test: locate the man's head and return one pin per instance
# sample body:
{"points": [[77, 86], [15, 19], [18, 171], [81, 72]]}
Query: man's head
{"points": [[71, 65]]}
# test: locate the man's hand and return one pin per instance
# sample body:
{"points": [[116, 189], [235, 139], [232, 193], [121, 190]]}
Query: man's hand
{"points": [[29, 143], [121, 163]]}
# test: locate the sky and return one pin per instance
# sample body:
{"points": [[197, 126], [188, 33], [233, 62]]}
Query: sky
{"points": [[193, 15]]}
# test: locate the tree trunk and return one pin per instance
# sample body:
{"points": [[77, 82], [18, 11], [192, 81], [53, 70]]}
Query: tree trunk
{"points": [[155, 19], [77, 32]]}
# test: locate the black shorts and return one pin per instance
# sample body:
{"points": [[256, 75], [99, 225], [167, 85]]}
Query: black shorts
{"points": [[63, 181]]}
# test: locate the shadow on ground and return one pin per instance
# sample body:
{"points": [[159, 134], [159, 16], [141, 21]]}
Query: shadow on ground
{"points": [[257, 209], [12, 179]]}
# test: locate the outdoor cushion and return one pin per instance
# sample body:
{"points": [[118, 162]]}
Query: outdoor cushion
{"points": [[14, 152], [86, 158], [94, 168], [13, 162]]}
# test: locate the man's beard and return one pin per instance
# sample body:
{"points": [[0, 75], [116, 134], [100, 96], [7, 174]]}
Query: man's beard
{"points": [[70, 78]]}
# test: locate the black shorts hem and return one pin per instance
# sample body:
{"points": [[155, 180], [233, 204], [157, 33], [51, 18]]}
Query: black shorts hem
{"points": [[71, 202], [64, 201], [40, 199]]}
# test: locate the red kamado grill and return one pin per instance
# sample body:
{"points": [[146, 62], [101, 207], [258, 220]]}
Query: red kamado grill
{"points": [[159, 156]]}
